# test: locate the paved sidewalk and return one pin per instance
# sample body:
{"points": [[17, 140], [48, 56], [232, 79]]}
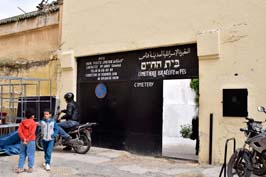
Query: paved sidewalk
{"points": [[100, 162]]}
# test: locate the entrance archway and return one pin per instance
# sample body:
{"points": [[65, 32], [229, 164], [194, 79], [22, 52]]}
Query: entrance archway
{"points": [[130, 115]]}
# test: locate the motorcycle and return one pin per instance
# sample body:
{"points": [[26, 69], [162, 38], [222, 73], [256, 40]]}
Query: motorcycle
{"points": [[251, 158], [81, 138]]}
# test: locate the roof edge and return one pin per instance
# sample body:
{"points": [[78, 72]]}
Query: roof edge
{"points": [[29, 15]]}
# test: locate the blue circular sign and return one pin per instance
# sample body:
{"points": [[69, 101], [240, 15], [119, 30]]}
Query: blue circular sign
{"points": [[100, 90]]}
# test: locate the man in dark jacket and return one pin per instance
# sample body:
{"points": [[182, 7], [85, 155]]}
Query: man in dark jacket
{"points": [[71, 116]]}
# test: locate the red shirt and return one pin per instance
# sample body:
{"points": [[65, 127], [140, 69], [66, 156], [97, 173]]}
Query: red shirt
{"points": [[26, 130]]}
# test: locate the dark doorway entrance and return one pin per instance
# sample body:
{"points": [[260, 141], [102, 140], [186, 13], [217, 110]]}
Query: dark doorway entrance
{"points": [[129, 114]]}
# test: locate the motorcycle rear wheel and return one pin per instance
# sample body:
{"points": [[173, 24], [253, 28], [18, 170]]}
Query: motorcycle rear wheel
{"points": [[241, 169], [84, 145], [38, 142]]}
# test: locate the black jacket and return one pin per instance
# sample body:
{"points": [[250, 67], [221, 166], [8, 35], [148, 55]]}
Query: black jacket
{"points": [[71, 112], [195, 128]]}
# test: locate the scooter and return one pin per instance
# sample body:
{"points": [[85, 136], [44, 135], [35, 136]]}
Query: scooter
{"points": [[251, 158]]}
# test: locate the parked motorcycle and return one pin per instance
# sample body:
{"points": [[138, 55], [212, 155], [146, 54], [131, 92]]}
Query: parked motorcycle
{"points": [[81, 138], [251, 158]]}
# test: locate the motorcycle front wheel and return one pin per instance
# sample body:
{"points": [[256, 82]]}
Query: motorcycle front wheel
{"points": [[83, 145], [259, 165], [240, 169]]}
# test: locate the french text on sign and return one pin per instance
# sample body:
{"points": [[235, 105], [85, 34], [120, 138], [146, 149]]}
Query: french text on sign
{"points": [[143, 84]]}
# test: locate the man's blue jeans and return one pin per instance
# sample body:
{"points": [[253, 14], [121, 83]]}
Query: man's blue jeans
{"points": [[26, 150], [48, 149], [66, 124]]}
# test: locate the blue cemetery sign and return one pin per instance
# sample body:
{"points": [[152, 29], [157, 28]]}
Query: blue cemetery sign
{"points": [[100, 90]]}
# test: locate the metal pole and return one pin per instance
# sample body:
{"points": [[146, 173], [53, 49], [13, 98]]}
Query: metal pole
{"points": [[51, 96], [1, 102], [210, 143], [223, 169], [25, 95], [39, 109], [36, 101], [21, 99], [12, 95], [10, 99], [225, 156]]}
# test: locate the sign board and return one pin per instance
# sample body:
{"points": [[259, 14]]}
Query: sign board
{"points": [[159, 63]]}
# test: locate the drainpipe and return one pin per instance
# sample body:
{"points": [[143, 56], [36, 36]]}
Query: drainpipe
{"points": [[210, 141]]}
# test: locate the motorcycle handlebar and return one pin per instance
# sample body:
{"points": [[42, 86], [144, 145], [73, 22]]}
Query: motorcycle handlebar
{"points": [[243, 129], [247, 130], [249, 119]]}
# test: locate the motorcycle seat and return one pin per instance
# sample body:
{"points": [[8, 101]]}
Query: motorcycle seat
{"points": [[75, 127], [72, 128]]}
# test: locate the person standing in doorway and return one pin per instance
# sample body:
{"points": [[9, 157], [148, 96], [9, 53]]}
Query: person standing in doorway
{"points": [[195, 132], [26, 132], [49, 131]]}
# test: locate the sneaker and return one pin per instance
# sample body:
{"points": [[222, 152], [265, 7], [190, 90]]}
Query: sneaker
{"points": [[19, 170], [44, 164], [29, 170], [47, 167]]}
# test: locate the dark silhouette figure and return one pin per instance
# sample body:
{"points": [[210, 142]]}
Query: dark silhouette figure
{"points": [[195, 132]]}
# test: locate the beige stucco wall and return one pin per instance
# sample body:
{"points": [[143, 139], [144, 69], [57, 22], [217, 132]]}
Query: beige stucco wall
{"points": [[28, 48], [229, 34]]}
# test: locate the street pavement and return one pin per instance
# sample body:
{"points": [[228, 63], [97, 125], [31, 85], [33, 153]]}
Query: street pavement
{"points": [[101, 162], [178, 147]]}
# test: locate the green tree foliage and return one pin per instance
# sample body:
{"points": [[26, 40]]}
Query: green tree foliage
{"points": [[194, 84]]}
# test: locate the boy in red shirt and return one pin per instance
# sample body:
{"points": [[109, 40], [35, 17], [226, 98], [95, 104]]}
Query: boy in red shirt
{"points": [[26, 132]]}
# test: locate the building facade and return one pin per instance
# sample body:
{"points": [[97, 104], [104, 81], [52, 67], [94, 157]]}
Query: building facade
{"points": [[29, 44], [227, 36]]}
